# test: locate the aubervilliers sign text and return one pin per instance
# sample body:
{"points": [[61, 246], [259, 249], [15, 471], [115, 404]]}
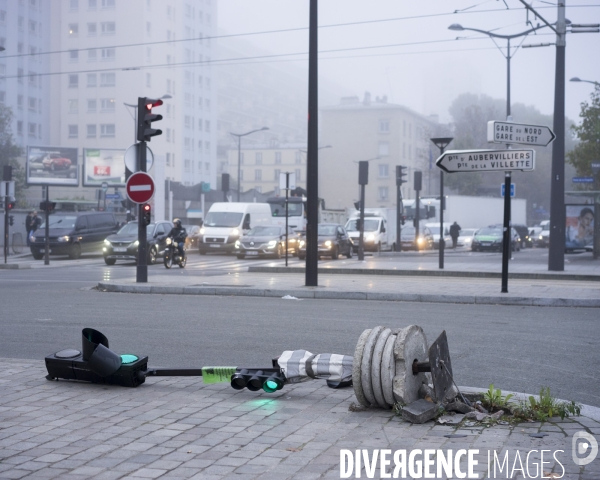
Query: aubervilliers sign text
{"points": [[486, 160]]}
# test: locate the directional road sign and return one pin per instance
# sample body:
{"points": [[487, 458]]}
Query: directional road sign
{"points": [[595, 167], [113, 196], [508, 132], [486, 160], [140, 187], [583, 179]]}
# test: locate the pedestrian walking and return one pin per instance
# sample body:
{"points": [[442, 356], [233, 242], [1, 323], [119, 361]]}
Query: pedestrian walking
{"points": [[454, 233]]}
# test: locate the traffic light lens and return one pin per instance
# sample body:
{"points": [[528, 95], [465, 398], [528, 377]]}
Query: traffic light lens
{"points": [[127, 358], [270, 386]]}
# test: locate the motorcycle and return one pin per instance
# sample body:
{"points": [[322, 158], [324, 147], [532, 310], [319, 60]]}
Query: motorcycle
{"points": [[172, 255]]}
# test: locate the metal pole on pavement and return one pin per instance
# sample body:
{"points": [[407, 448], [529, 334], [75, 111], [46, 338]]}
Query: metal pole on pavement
{"points": [[441, 143], [287, 193], [361, 232], [312, 157], [506, 237], [6, 224], [47, 231], [142, 264]]}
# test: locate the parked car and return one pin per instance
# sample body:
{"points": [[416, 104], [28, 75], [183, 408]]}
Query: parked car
{"points": [[123, 245], [55, 161], [434, 228], [193, 236], [410, 241], [73, 233], [543, 239], [465, 239], [266, 241], [333, 240], [490, 238]]}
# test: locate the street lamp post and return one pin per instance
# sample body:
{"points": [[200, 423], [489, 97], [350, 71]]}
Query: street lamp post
{"points": [[441, 143], [239, 137], [577, 79]]}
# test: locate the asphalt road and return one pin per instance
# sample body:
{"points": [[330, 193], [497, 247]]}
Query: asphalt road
{"points": [[517, 348]]}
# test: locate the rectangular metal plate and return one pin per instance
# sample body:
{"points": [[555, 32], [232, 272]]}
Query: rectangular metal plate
{"points": [[441, 367], [120, 249]]}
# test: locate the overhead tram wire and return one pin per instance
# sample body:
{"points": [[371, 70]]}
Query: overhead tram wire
{"points": [[219, 61], [266, 32]]}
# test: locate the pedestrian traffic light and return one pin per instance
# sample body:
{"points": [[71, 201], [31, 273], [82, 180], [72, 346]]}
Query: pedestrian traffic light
{"points": [[96, 363], [357, 205], [146, 117], [418, 180], [363, 172], [146, 214], [10, 204], [269, 379], [400, 175]]}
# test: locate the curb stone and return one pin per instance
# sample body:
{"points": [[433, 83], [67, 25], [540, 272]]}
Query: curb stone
{"points": [[343, 295]]}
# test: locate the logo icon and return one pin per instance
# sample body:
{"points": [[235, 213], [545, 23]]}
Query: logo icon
{"points": [[584, 442]]}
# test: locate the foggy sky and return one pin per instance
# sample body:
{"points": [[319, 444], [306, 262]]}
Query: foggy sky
{"points": [[427, 76]]}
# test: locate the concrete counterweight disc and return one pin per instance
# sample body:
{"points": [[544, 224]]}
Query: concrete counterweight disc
{"points": [[358, 354], [410, 345]]}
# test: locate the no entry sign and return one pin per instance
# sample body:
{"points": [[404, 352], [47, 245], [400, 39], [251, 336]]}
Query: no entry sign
{"points": [[140, 187]]}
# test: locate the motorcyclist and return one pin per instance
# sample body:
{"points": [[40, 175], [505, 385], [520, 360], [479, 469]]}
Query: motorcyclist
{"points": [[178, 234]]}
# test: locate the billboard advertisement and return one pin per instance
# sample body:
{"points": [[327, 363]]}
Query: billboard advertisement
{"points": [[52, 166], [579, 229], [103, 165]]}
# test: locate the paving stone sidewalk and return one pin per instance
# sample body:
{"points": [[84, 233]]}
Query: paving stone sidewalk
{"points": [[180, 428]]}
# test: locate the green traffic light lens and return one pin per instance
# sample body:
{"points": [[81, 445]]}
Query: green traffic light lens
{"points": [[127, 358], [270, 386]]}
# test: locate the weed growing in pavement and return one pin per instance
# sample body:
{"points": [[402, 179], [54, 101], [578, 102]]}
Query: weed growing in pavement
{"points": [[493, 399], [546, 407]]}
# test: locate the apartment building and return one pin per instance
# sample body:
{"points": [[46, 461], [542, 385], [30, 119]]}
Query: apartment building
{"points": [[24, 33], [383, 133]]}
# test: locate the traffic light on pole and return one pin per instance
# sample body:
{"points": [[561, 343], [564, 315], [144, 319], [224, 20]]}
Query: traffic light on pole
{"points": [[10, 204], [146, 117], [269, 379], [146, 214], [400, 175], [11, 220], [47, 206]]}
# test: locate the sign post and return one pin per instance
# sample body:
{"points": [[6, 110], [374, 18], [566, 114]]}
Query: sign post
{"points": [[287, 181], [140, 189]]}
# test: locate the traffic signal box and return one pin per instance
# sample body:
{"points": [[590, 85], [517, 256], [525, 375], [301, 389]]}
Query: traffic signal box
{"points": [[146, 214], [96, 363], [145, 132], [47, 206]]}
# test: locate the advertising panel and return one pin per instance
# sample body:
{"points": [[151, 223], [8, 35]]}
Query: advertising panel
{"points": [[52, 166], [579, 229], [103, 165]]}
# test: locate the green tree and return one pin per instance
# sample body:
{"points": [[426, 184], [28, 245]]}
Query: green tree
{"points": [[9, 151], [588, 134]]}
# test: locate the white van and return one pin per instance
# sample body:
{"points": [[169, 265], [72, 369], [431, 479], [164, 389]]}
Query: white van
{"points": [[225, 222]]}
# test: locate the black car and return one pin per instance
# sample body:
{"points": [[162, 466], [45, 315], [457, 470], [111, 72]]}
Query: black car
{"points": [[333, 241], [73, 234], [266, 241], [409, 240], [123, 245], [193, 238]]}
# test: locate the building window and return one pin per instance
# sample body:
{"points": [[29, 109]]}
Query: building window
{"points": [[107, 104], [73, 29], [382, 194], [298, 175], [207, 146], [207, 166], [107, 130], [92, 55], [108, 54], [20, 75], [168, 160], [20, 101], [91, 29], [108, 3], [258, 174], [73, 55], [186, 143], [73, 131], [277, 160], [384, 171], [384, 126], [73, 106], [187, 121], [148, 28], [91, 131], [73, 80], [2, 97], [108, 28], [74, 5], [31, 129], [188, 100], [298, 158], [207, 125], [92, 80], [168, 134], [32, 79], [258, 158], [410, 130], [3, 16], [32, 27], [186, 165], [91, 105], [277, 173], [384, 149], [19, 128], [92, 4], [107, 79], [32, 104]]}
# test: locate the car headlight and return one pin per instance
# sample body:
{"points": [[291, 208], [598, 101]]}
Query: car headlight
{"points": [[235, 231], [66, 238], [272, 243], [540, 238], [327, 244], [370, 238], [202, 230], [107, 243], [237, 244], [136, 243], [420, 240], [301, 243], [32, 238]]}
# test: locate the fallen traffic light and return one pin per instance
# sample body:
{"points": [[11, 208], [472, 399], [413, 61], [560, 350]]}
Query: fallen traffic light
{"points": [[146, 214], [96, 363], [269, 379]]}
